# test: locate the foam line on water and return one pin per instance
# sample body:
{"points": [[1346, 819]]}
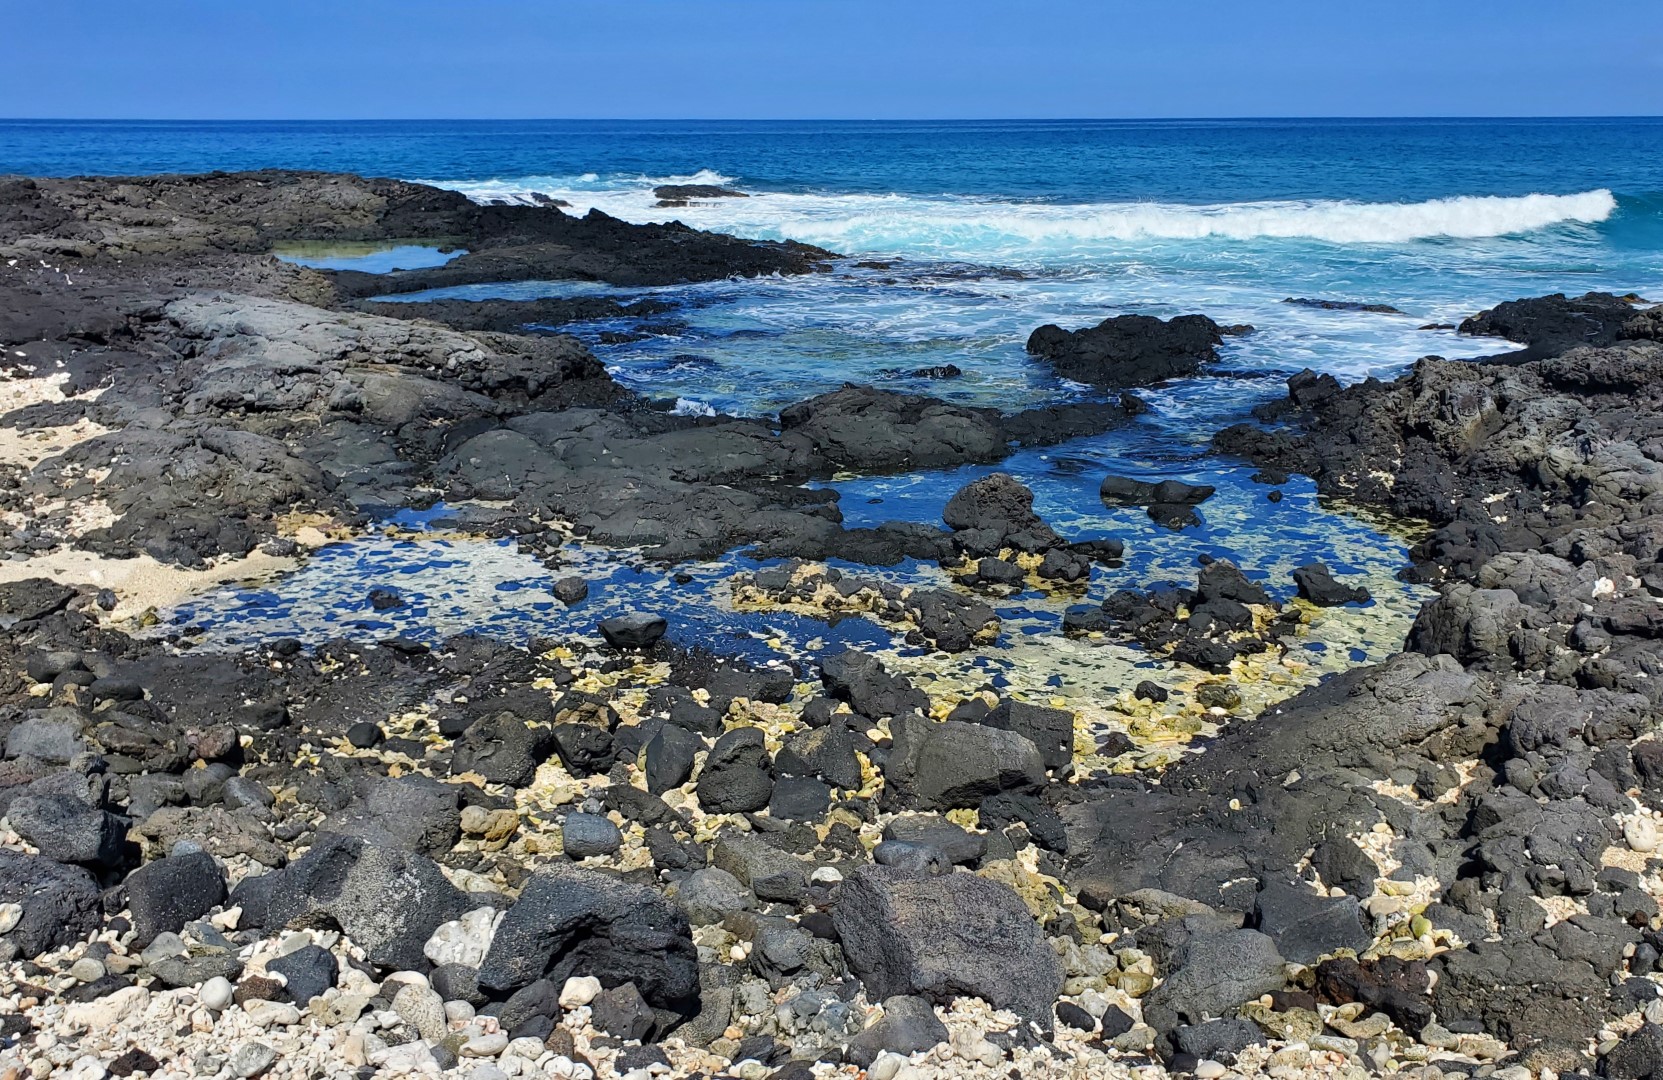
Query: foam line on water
{"points": [[946, 226]]}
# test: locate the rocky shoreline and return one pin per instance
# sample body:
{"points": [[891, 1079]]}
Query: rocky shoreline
{"points": [[631, 855]]}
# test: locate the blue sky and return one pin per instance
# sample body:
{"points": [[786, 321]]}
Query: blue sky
{"points": [[264, 59]]}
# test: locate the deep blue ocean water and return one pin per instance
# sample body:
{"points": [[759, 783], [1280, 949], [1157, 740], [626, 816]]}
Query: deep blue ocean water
{"points": [[981, 231]]}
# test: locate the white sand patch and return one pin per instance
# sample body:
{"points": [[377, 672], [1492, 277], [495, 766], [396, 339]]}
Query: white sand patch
{"points": [[26, 448], [140, 583]]}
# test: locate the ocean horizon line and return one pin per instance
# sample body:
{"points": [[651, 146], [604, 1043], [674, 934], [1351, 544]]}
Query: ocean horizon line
{"points": [[1312, 118]]}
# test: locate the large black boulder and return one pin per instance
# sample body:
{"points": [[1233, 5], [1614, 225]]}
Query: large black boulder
{"points": [[69, 829], [1213, 973], [410, 813], [388, 902], [860, 679], [503, 749], [1316, 584], [669, 758], [636, 630], [1051, 730], [1129, 350], [1549, 325], [166, 894], [61, 903], [1001, 507], [1307, 925], [308, 972], [943, 766], [737, 777], [947, 936], [571, 921]]}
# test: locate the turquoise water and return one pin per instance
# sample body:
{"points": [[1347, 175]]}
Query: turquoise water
{"points": [[976, 233]]}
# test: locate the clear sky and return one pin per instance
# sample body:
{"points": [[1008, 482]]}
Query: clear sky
{"points": [[293, 59]]}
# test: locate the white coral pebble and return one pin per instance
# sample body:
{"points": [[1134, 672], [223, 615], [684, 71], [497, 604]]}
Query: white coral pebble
{"points": [[579, 990]]}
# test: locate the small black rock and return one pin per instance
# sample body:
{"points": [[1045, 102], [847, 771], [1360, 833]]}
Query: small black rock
{"points": [[364, 735], [571, 590], [309, 972], [623, 1012], [1071, 1015], [1149, 691], [385, 599], [637, 630], [1116, 1023]]}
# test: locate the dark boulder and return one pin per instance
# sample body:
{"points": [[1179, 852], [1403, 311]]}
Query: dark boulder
{"points": [[799, 798], [1170, 503], [669, 758], [166, 894], [584, 835], [909, 1026], [671, 195], [1212, 974], [861, 429], [1637, 1057], [767, 871], [61, 903], [31, 600], [1219, 1040], [410, 813], [944, 937], [388, 902], [503, 749], [942, 766], [998, 504], [1317, 585], [1307, 925], [307, 973], [570, 921], [1129, 350], [1342, 305], [623, 1012], [1401, 989], [1051, 730], [571, 590], [827, 752], [67, 829], [1550, 325], [1125, 491], [737, 776], [958, 844], [860, 679], [637, 630]]}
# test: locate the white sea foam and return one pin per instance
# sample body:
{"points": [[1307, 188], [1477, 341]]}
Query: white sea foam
{"points": [[981, 228], [692, 407]]}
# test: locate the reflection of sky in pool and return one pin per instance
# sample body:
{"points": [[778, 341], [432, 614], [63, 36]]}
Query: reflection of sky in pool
{"points": [[453, 583], [369, 258]]}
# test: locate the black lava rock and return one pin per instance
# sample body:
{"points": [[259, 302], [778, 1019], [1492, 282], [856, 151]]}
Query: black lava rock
{"points": [[309, 971], [637, 630]]}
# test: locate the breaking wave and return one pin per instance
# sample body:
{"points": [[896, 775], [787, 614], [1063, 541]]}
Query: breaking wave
{"points": [[981, 227]]}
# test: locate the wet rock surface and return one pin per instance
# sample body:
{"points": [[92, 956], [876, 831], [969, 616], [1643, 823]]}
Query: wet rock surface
{"points": [[571, 858], [1129, 350]]}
